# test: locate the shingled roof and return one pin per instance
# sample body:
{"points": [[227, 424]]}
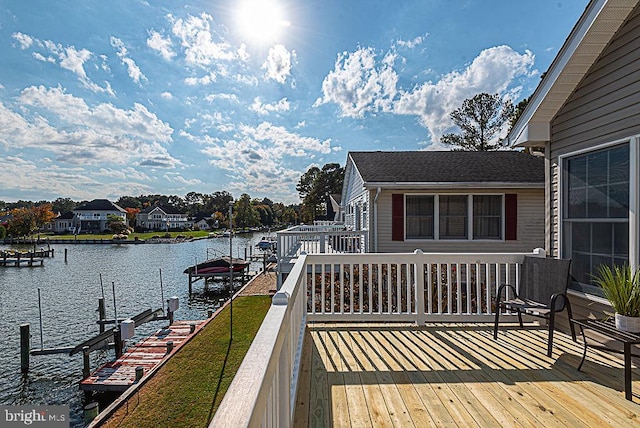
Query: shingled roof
{"points": [[99, 205], [448, 167]]}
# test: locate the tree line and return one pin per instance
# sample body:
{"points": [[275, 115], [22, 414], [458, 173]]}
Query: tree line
{"points": [[23, 217]]}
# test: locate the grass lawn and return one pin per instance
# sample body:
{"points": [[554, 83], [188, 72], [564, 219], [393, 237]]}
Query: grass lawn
{"points": [[188, 389]]}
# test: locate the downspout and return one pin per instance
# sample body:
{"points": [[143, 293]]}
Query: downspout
{"points": [[375, 220]]}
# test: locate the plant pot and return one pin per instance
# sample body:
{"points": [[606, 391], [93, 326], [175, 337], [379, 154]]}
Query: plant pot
{"points": [[628, 324]]}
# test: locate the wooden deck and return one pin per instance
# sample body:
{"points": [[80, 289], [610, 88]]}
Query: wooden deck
{"points": [[120, 374], [456, 375]]}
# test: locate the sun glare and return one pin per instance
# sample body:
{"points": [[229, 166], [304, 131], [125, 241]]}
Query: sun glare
{"points": [[261, 20]]}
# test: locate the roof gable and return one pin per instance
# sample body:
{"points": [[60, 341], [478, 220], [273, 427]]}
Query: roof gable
{"points": [[448, 167], [592, 33]]}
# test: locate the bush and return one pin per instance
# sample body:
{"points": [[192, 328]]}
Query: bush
{"points": [[3, 232]]}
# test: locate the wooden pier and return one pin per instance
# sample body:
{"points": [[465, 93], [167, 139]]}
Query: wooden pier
{"points": [[141, 358], [21, 261]]}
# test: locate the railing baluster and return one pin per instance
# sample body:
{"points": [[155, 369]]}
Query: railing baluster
{"points": [[322, 281], [379, 287], [439, 288], [341, 267], [351, 287], [370, 285], [332, 288]]}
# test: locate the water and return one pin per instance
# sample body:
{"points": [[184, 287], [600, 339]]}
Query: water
{"points": [[69, 295]]}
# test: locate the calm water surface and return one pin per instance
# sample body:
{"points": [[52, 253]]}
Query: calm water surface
{"points": [[69, 294]]}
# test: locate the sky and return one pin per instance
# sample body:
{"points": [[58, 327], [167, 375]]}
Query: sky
{"points": [[100, 99]]}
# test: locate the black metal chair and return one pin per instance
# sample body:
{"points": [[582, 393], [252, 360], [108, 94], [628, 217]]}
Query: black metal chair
{"points": [[542, 293]]}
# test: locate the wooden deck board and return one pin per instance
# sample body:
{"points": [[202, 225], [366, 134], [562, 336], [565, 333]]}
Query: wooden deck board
{"points": [[457, 375]]}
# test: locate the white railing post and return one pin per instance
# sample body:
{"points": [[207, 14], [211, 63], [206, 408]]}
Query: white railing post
{"points": [[421, 316], [283, 378]]}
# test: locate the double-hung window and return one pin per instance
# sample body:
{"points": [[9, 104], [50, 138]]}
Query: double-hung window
{"points": [[453, 216], [487, 217], [595, 212], [419, 216]]}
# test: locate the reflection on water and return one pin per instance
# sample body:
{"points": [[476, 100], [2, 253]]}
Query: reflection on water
{"points": [[70, 292]]}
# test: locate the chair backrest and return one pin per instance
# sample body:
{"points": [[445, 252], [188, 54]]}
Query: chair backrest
{"points": [[543, 277]]}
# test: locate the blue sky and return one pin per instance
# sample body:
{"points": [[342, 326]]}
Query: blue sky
{"points": [[128, 97]]}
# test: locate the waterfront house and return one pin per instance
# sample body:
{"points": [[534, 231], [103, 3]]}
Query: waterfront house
{"points": [[162, 218], [304, 368], [585, 117], [201, 221], [446, 201], [93, 217], [64, 223]]}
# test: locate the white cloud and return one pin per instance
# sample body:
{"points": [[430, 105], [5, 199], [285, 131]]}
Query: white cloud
{"points": [[161, 44], [167, 95], [132, 68], [358, 84], [84, 134], [197, 40], [25, 40], [222, 96], [278, 63], [204, 80], [410, 44], [174, 177], [264, 109], [255, 157], [122, 174], [361, 84], [492, 71]]}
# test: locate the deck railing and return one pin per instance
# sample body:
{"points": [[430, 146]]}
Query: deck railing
{"points": [[417, 287]]}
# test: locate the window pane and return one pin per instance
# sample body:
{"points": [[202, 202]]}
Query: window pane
{"points": [[596, 190], [487, 217], [419, 217], [453, 217]]}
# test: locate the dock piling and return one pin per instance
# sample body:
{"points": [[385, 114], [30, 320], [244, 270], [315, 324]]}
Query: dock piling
{"points": [[102, 312], [139, 373], [65, 255], [91, 411], [169, 346], [117, 340], [25, 347], [86, 367]]}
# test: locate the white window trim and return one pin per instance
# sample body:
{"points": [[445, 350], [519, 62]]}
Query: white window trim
{"points": [[634, 200], [436, 217]]}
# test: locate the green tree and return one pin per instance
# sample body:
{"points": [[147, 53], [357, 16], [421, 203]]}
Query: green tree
{"points": [[480, 119], [62, 205], [117, 224], [245, 213], [3, 232], [315, 186]]}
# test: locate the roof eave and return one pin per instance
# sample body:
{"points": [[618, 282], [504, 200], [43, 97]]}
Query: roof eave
{"points": [[454, 185], [589, 37]]}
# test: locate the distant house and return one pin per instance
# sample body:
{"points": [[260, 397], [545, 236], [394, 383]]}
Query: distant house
{"points": [[334, 211], [162, 217], [201, 221], [92, 217], [64, 223], [585, 117], [446, 201]]}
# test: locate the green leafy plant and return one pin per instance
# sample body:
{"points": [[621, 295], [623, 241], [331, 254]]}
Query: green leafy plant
{"points": [[621, 287]]}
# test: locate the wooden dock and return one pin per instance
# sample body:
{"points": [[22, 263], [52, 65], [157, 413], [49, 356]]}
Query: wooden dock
{"points": [[120, 374], [21, 261]]}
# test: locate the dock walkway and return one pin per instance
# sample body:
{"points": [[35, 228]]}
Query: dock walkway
{"points": [[120, 374]]}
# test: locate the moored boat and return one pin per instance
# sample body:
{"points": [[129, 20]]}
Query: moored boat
{"points": [[218, 265]]}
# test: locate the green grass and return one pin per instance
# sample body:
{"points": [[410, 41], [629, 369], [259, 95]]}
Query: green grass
{"points": [[145, 235], [188, 389]]}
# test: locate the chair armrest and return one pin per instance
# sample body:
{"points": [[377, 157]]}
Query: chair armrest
{"points": [[554, 298], [502, 288]]}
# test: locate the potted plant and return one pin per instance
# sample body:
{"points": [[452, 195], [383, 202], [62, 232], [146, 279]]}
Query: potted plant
{"points": [[621, 287]]}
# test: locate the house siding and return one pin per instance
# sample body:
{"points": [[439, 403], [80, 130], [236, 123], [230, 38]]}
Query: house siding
{"points": [[530, 225], [603, 109], [356, 195]]}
